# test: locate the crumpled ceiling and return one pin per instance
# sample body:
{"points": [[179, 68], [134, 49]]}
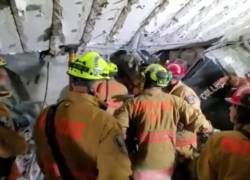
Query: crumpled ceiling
{"points": [[107, 25]]}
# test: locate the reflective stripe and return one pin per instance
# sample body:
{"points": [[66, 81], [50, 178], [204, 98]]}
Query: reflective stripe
{"points": [[235, 146], [71, 128], [149, 105], [157, 137], [153, 174], [186, 141]]}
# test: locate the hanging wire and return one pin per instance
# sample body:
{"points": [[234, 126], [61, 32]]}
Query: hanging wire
{"points": [[47, 86]]}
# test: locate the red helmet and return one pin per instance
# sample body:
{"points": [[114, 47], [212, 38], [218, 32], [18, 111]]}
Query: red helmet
{"points": [[176, 69], [241, 97]]}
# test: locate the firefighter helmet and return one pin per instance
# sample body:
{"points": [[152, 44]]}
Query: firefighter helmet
{"points": [[113, 69], [90, 66], [177, 70], [158, 74]]}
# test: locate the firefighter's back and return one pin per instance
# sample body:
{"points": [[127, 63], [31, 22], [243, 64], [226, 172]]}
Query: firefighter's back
{"points": [[83, 132], [155, 120], [229, 157]]}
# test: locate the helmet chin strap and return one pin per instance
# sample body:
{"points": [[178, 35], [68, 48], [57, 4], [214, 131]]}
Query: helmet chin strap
{"points": [[107, 91], [102, 104]]}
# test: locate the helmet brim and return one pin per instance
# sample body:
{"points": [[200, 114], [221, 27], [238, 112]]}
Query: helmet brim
{"points": [[88, 77]]}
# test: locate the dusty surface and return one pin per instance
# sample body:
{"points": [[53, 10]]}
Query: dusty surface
{"points": [[39, 25]]}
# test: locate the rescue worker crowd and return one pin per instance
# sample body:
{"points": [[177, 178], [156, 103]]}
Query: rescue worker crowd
{"points": [[102, 131]]}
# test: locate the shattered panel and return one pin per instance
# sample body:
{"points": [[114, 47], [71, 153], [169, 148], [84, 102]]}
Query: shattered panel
{"points": [[175, 28], [231, 13], [107, 25], [33, 19], [106, 21], [184, 18], [236, 59], [178, 32], [211, 14], [69, 21], [159, 21], [199, 21], [9, 38], [74, 19], [95, 13], [135, 18], [230, 23]]}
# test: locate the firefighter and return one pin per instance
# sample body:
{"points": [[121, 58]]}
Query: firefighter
{"points": [[149, 120], [112, 91], [226, 155], [90, 138], [180, 89], [186, 141], [11, 143]]}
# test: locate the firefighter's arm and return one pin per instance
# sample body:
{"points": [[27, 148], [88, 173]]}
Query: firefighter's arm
{"points": [[193, 119], [123, 115], [206, 163], [113, 162], [11, 143]]}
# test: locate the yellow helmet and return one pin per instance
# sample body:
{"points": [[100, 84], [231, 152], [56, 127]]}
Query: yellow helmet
{"points": [[158, 74], [2, 62], [90, 66], [113, 69]]}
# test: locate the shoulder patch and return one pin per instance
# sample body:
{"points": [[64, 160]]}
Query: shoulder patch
{"points": [[121, 144], [190, 99]]}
